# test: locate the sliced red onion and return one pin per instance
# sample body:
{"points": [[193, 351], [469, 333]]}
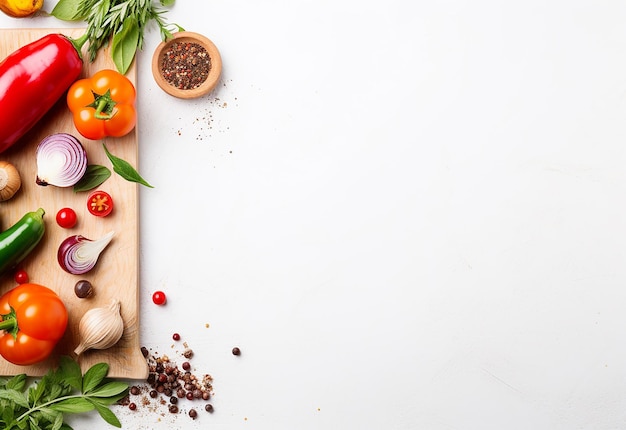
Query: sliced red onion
{"points": [[78, 255], [61, 160]]}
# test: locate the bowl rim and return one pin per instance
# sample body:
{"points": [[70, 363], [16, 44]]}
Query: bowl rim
{"points": [[214, 73]]}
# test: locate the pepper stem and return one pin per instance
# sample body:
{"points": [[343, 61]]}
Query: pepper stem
{"points": [[104, 105], [9, 323], [78, 43]]}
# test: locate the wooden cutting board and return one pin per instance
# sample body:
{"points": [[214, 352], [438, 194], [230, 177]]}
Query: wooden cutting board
{"points": [[117, 272]]}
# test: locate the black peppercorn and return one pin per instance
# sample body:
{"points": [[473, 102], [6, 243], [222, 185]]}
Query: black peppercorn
{"points": [[83, 289]]}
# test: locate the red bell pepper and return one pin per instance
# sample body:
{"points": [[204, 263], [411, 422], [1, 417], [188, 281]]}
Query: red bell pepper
{"points": [[32, 79]]}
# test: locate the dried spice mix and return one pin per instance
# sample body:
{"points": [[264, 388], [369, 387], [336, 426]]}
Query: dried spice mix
{"points": [[186, 65], [167, 383]]}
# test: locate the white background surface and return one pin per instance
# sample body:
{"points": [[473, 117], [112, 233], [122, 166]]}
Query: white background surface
{"points": [[408, 215]]}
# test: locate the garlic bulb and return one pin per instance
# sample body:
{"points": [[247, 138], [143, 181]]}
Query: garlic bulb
{"points": [[100, 328], [10, 180]]}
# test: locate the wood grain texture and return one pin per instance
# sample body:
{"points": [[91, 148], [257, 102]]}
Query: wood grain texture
{"points": [[117, 271]]}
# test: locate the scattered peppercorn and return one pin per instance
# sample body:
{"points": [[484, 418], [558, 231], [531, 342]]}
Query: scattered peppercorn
{"points": [[172, 383], [134, 390], [132, 406], [176, 336], [193, 414], [208, 407], [236, 351]]}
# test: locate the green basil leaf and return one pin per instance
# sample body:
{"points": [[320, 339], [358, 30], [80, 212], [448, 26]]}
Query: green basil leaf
{"points": [[109, 389], [52, 416], [8, 416], [72, 405], [125, 170], [67, 10], [17, 382], [125, 44], [70, 372], [94, 176], [58, 423], [37, 392], [15, 396], [106, 414], [94, 376]]}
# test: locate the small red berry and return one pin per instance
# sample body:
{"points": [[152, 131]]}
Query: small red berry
{"points": [[158, 298], [176, 336], [21, 277]]}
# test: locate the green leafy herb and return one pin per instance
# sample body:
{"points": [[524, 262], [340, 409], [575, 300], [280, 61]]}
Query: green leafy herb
{"points": [[119, 22], [64, 390], [94, 176], [125, 170]]}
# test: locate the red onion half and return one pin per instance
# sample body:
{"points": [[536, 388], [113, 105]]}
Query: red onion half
{"points": [[61, 160], [78, 255]]}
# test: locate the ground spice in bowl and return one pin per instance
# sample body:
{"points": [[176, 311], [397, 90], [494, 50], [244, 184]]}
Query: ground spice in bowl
{"points": [[187, 66]]}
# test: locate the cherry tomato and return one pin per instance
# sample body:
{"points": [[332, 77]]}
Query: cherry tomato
{"points": [[21, 277], [158, 298], [66, 218], [99, 203]]}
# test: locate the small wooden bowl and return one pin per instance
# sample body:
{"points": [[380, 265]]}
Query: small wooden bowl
{"points": [[214, 72]]}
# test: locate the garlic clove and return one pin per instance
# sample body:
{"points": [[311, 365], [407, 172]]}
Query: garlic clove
{"points": [[10, 180], [100, 328]]}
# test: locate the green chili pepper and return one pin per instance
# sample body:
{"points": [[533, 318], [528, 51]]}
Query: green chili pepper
{"points": [[20, 239]]}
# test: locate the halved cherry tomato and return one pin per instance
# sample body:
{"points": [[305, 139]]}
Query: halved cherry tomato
{"points": [[99, 203], [103, 105], [66, 218]]}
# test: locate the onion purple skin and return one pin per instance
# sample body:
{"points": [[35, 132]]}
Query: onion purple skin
{"points": [[75, 160], [67, 250], [68, 253]]}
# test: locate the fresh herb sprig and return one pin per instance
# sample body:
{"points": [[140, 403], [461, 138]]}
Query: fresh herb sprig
{"points": [[63, 390], [120, 23]]}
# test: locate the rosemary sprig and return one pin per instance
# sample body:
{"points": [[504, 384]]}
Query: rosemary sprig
{"points": [[118, 23]]}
